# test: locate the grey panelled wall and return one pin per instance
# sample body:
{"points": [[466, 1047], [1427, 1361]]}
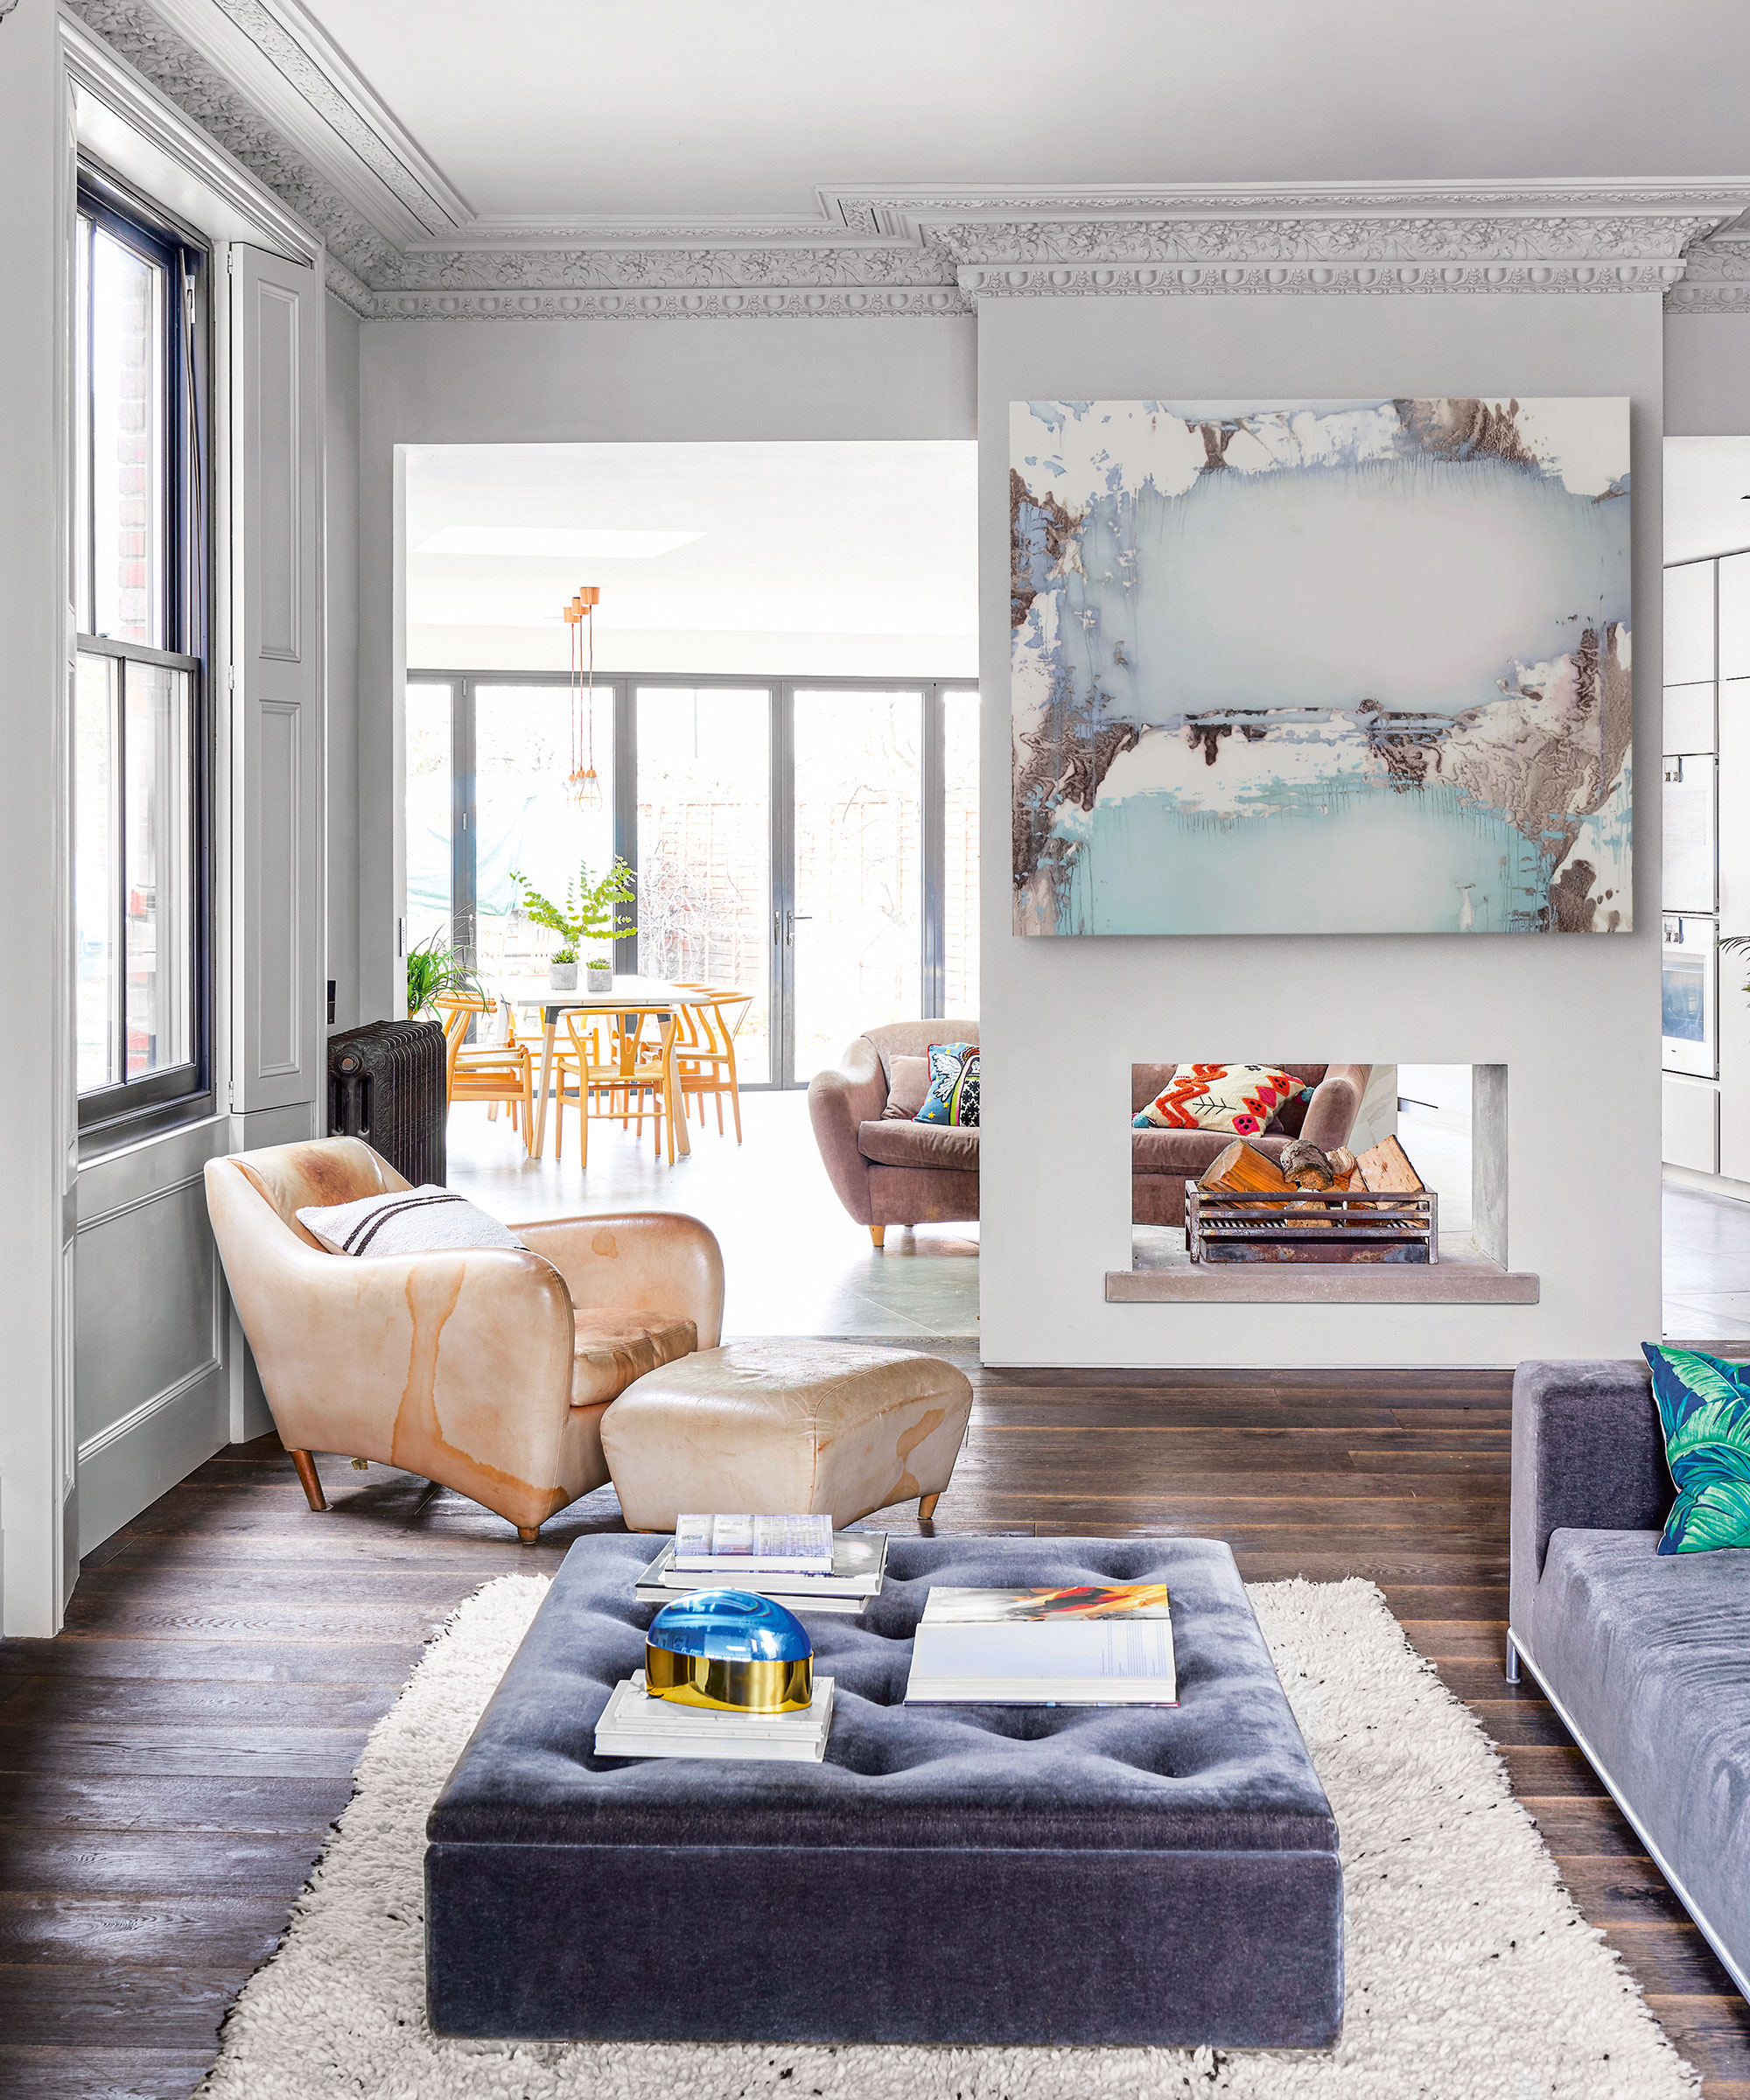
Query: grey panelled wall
{"points": [[152, 1348]]}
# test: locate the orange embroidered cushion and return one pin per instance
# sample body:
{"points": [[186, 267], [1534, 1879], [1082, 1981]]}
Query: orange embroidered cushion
{"points": [[1239, 1099]]}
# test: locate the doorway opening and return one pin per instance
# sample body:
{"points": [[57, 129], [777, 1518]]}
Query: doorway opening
{"points": [[782, 710], [1705, 891]]}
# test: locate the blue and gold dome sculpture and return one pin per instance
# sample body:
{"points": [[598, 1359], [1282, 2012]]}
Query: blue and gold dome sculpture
{"points": [[732, 1650]]}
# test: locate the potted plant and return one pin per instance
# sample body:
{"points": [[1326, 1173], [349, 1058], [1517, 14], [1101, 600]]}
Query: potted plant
{"points": [[433, 971], [589, 914]]}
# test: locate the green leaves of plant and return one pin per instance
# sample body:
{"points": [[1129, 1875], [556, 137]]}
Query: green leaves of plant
{"points": [[1704, 1412], [588, 912]]}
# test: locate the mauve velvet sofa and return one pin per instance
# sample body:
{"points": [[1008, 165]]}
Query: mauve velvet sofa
{"points": [[1646, 1657], [893, 1172], [1163, 1161], [890, 1171]]}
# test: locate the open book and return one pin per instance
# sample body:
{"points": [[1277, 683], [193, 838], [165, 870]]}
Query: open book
{"points": [[1096, 1645]]}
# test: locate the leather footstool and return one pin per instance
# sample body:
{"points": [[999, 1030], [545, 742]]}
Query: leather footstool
{"points": [[949, 1874], [785, 1426]]}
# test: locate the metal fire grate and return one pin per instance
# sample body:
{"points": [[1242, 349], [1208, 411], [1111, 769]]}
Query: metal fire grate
{"points": [[385, 1085], [1307, 1225]]}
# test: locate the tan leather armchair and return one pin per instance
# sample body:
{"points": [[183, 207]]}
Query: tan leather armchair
{"points": [[486, 1371]]}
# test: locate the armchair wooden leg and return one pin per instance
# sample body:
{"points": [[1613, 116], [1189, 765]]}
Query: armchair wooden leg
{"points": [[311, 1485], [926, 1505], [529, 1534], [878, 1234]]}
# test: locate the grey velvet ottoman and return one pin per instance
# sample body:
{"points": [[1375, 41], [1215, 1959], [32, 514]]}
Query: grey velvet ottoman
{"points": [[949, 1874]]}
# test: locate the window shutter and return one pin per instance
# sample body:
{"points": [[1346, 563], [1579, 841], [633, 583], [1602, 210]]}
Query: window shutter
{"points": [[276, 1031]]}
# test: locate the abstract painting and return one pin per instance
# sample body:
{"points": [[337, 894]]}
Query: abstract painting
{"points": [[1338, 666]]}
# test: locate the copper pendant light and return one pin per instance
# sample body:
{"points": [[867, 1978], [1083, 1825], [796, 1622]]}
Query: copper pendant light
{"points": [[583, 787]]}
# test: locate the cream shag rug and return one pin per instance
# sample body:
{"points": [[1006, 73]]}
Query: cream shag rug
{"points": [[1471, 1974]]}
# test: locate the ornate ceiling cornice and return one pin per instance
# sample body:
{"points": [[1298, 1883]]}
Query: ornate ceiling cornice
{"points": [[264, 81]]}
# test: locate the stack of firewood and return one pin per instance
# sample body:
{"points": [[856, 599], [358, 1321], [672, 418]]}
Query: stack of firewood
{"points": [[1243, 1169]]}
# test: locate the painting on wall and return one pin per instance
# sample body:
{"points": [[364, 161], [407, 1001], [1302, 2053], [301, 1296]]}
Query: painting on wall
{"points": [[1338, 666]]}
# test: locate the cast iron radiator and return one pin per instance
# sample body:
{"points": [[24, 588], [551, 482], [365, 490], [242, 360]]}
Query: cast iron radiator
{"points": [[385, 1085]]}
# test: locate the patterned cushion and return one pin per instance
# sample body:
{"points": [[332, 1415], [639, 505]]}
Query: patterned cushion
{"points": [[953, 1095], [1238, 1099], [1704, 1412]]}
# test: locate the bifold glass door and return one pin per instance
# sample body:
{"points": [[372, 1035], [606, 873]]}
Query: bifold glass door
{"points": [[853, 951], [813, 844], [703, 848]]}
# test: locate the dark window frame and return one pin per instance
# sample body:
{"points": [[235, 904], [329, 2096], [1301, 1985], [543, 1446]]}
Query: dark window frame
{"points": [[127, 1109]]}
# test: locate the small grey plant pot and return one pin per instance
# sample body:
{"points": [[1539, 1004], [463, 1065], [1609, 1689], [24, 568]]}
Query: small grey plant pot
{"points": [[561, 976], [601, 979]]}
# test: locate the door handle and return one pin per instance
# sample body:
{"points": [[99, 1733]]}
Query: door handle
{"points": [[790, 918]]}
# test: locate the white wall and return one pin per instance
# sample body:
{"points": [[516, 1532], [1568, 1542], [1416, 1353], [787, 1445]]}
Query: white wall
{"points": [[451, 383], [340, 485], [1707, 376], [35, 1075], [1575, 1019]]}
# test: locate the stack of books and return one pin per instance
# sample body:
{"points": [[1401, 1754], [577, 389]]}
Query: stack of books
{"points": [[634, 1725], [1105, 1645], [844, 1582], [758, 1545]]}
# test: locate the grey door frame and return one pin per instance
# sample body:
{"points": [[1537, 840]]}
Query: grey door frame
{"points": [[620, 690]]}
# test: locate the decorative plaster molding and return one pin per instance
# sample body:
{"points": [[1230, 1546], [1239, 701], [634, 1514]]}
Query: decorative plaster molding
{"points": [[1345, 240], [1717, 278], [185, 77], [281, 58], [679, 268], [907, 210], [1232, 280], [931, 301], [107, 89], [262, 78]]}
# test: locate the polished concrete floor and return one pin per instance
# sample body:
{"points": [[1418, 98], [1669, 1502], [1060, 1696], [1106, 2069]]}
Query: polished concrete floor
{"points": [[797, 1265]]}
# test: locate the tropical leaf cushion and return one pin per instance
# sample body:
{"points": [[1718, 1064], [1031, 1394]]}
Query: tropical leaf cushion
{"points": [[1239, 1099], [953, 1095], [1704, 1411]]}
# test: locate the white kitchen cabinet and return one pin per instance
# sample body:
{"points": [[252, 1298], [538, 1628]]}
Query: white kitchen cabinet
{"points": [[1690, 1122], [1689, 623]]}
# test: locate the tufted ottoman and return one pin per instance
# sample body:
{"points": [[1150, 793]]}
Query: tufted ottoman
{"points": [[949, 1875], [838, 1426]]}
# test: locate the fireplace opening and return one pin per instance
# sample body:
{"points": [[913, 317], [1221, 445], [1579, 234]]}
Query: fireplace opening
{"points": [[1310, 1181]]}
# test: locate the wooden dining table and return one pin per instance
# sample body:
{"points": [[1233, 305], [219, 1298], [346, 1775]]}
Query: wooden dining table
{"points": [[630, 995]]}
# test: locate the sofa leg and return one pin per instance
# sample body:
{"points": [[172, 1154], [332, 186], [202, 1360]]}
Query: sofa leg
{"points": [[1512, 1662], [878, 1234], [311, 1485], [529, 1534], [926, 1505]]}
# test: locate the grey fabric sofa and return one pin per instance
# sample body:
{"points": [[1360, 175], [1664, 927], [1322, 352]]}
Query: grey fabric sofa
{"points": [[1163, 1161], [1646, 1659]]}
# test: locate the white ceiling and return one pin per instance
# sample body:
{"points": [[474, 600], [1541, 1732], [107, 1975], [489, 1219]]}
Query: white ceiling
{"points": [[850, 539], [587, 107], [1707, 496]]}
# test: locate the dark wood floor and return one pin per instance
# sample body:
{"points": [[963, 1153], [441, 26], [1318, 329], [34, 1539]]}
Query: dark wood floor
{"points": [[170, 1766]]}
